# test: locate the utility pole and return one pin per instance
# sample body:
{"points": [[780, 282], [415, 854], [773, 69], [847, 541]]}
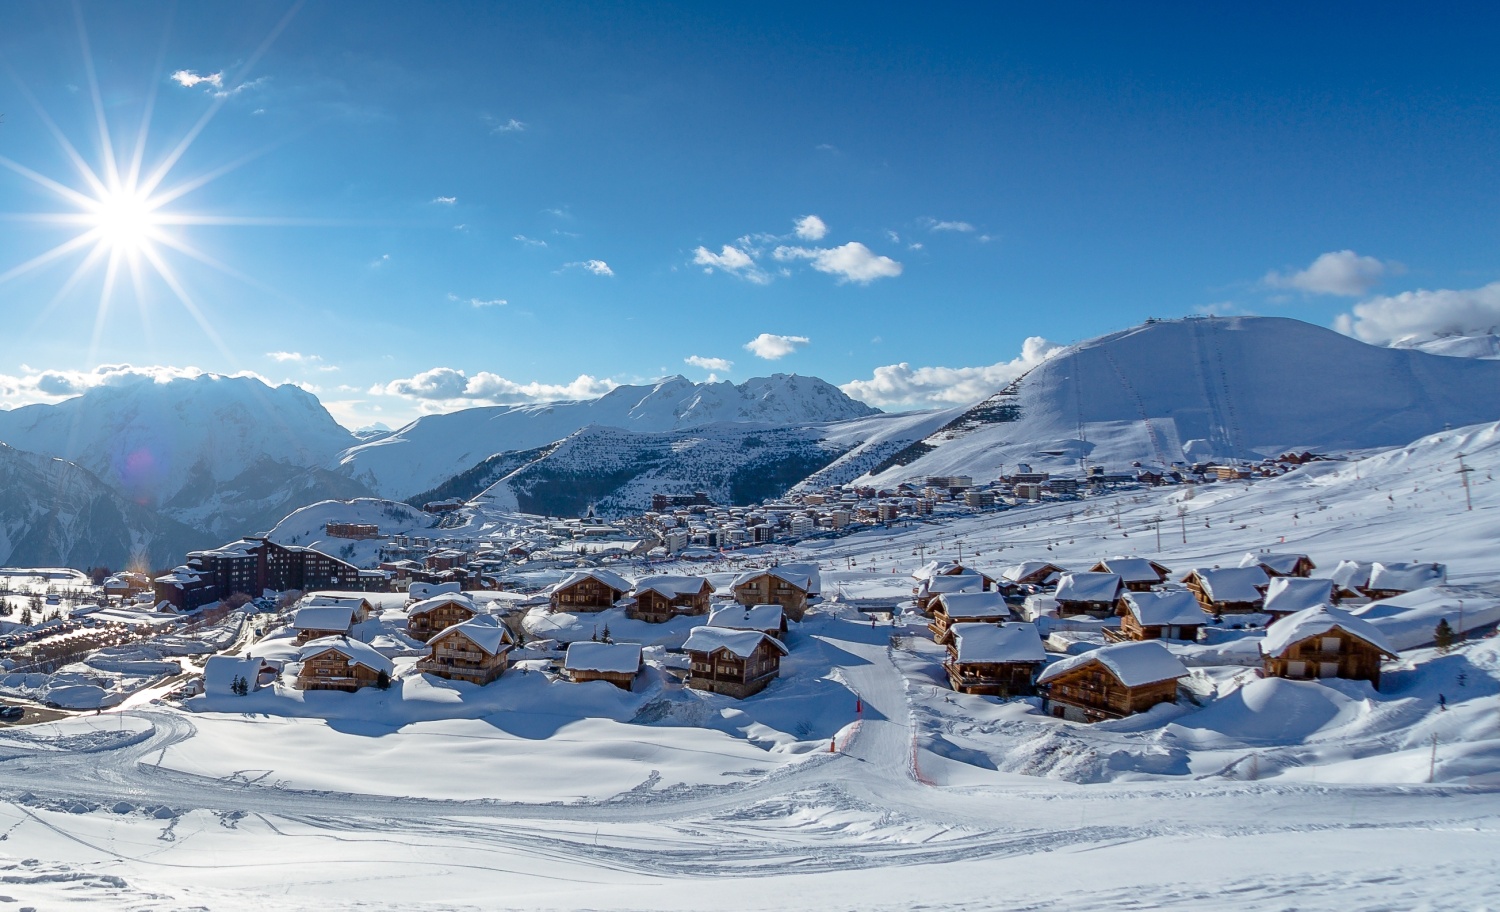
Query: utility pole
{"points": [[1182, 518], [1463, 474], [1156, 521], [1432, 762]]}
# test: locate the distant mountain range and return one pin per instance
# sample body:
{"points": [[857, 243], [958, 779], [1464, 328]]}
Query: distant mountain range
{"points": [[149, 468]]}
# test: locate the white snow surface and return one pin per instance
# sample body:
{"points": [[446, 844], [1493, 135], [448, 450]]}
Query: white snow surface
{"points": [[1135, 664]]}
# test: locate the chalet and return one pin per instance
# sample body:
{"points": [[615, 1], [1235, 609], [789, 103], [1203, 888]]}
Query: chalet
{"points": [[1032, 573], [1111, 682], [931, 589], [1325, 642], [768, 619], [587, 591], [933, 569], [1289, 594], [999, 660], [475, 649], [661, 598], [966, 608], [1093, 594], [221, 672], [1169, 614], [316, 622], [787, 585], [339, 663], [1136, 573], [1299, 565], [430, 615], [363, 607], [736, 663], [617, 663], [1350, 579], [1387, 580], [1229, 590]]}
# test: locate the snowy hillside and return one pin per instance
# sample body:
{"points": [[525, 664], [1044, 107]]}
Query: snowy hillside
{"points": [[432, 449], [1207, 388], [190, 446], [1480, 345], [307, 526]]}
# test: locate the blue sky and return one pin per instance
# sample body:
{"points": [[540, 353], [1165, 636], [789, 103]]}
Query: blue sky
{"points": [[438, 205]]}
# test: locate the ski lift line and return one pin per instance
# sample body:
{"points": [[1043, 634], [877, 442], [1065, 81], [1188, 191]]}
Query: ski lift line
{"points": [[1234, 422], [1139, 404]]}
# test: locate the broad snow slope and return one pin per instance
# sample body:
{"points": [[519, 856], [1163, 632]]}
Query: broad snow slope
{"points": [[432, 449], [54, 513], [212, 451], [1208, 387], [616, 471]]}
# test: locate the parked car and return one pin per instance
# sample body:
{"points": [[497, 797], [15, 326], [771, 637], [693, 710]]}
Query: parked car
{"points": [[9, 713]]}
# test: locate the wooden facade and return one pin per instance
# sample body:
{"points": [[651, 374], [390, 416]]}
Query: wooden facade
{"points": [[452, 654], [769, 589], [991, 679], [1092, 693], [963, 611], [1334, 653], [1131, 628], [721, 671], [332, 670], [1241, 598], [656, 607], [588, 595], [428, 620]]}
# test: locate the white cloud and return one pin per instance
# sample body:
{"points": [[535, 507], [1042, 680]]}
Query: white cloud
{"points": [[709, 364], [929, 387], [597, 267], [510, 126], [188, 78], [284, 356], [932, 224], [529, 242], [771, 346], [1423, 314], [811, 228], [852, 262], [453, 387], [52, 385], [445, 200], [732, 260], [1341, 272]]}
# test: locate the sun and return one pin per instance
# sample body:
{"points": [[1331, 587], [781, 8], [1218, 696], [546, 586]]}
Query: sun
{"points": [[125, 219]]}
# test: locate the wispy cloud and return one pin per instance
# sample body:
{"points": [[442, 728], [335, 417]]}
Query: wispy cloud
{"points": [[296, 357], [772, 347], [597, 267], [445, 200], [709, 364], [529, 241], [188, 78], [510, 126], [932, 224], [929, 387], [447, 385], [479, 302], [732, 260], [1341, 272]]}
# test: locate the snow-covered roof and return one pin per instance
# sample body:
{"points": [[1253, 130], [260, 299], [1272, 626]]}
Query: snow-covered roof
{"points": [[220, 671], [974, 604], [1134, 569], [613, 658], [671, 586], [1088, 587], [323, 617], [1165, 608], [942, 568], [485, 631], [1405, 577], [751, 617], [1233, 584], [1017, 572], [998, 643], [608, 577], [1134, 664], [740, 643], [437, 601], [1284, 564], [356, 652], [1313, 622], [1287, 594], [939, 585], [803, 576], [1352, 574]]}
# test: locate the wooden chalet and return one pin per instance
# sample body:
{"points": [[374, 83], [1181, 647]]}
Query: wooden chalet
{"points": [[661, 598], [966, 608], [1298, 565], [1000, 660], [929, 590], [1032, 573], [1388, 580], [1136, 574], [1168, 614], [933, 569], [787, 585], [736, 663], [339, 663], [316, 622], [431, 615], [1325, 643], [1287, 595], [1089, 593], [1229, 590], [1111, 682], [617, 663], [768, 619], [587, 591], [476, 649]]}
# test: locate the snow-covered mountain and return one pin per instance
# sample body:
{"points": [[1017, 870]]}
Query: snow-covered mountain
{"points": [[434, 448], [54, 513], [1476, 345], [229, 455], [1207, 387]]}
